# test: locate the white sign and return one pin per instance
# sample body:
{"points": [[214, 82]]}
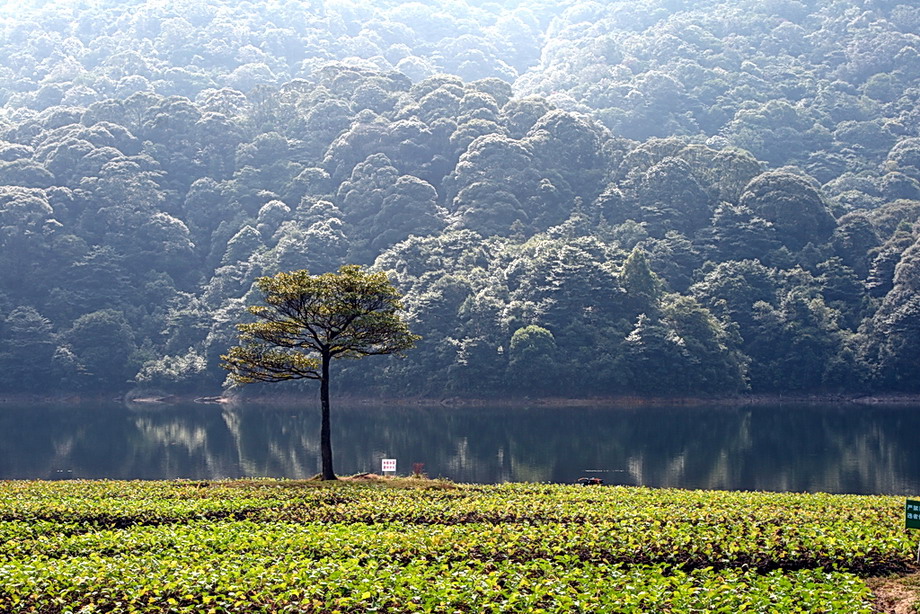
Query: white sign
{"points": [[388, 464]]}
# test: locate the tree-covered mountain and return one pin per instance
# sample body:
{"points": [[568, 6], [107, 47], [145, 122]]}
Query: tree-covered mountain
{"points": [[576, 198]]}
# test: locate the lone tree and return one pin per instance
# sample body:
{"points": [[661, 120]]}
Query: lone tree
{"points": [[308, 320]]}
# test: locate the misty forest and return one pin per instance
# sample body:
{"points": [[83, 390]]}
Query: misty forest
{"points": [[575, 198]]}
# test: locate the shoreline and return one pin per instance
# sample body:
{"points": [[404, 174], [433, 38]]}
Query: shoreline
{"points": [[623, 401]]}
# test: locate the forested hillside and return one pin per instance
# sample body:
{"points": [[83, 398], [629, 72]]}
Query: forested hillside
{"points": [[576, 198]]}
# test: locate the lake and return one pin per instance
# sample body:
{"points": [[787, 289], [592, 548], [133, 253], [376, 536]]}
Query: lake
{"points": [[834, 448]]}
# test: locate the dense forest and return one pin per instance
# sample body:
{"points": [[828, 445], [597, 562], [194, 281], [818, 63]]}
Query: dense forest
{"points": [[576, 198]]}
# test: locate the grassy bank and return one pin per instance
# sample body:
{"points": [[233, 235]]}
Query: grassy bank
{"points": [[274, 546]]}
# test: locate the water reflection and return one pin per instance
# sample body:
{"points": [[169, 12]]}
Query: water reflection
{"points": [[831, 449]]}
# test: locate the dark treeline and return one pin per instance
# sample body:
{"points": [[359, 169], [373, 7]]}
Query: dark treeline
{"points": [[576, 198]]}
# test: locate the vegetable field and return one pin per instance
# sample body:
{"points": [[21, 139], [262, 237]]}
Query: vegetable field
{"points": [[276, 546]]}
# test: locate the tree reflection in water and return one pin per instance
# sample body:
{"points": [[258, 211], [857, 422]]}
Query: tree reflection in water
{"points": [[781, 448]]}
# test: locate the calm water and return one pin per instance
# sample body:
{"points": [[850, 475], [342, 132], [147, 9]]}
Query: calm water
{"points": [[840, 449]]}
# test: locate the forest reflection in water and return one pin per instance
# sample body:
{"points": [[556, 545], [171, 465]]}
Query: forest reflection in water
{"points": [[838, 449]]}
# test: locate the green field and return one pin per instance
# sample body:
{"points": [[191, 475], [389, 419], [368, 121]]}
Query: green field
{"points": [[275, 546]]}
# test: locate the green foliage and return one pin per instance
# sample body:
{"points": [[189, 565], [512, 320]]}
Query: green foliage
{"points": [[642, 286], [309, 319], [792, 205], [182, 371], [28, 347], [895, 325], [531, 361], [102, 343], [157, 159], [235, 546]]}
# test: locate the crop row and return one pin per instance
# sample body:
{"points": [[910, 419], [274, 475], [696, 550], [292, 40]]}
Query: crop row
{"points": [[610, 525], [246, 582], [742, 544], [124, 503]]}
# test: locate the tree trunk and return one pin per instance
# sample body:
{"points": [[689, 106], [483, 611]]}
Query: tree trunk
{"points": [[325, 434]]}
